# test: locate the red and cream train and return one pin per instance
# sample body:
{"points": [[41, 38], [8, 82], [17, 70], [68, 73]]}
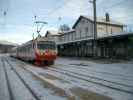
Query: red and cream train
{"points": [[39, 51]]}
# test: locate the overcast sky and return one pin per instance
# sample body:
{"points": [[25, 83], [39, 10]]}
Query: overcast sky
{"points": [[17, 24]]}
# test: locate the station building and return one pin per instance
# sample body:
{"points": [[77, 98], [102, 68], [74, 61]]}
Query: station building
{"points": [[112, 40]]}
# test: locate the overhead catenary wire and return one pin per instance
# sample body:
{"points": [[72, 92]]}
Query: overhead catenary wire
{"points": [[113, 6], [51, 12], [68, 1], [57, 8], [120, 5]]}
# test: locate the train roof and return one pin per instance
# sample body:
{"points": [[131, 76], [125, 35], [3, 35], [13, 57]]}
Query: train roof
{"points": [[100, 20], [39, 38]]}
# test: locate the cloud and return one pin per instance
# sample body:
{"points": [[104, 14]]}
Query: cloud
{"points": [[73, 8], [21, 34], [16, 34], [18, 25], [120, 10]]}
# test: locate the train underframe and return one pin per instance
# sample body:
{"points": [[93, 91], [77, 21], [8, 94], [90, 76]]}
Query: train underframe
{"points": [[45, 60]]}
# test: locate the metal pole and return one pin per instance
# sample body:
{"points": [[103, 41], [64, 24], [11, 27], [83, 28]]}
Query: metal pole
{"points": [[95, 19], [95, 29]]}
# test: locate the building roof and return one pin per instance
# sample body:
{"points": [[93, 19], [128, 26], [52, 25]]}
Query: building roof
{"points": [[42, 38], [99, 20], [52, 32], [116, 35], [121, 34], [67, 32]]}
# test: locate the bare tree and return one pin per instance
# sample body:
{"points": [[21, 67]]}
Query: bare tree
{"points": [[64, 28]]}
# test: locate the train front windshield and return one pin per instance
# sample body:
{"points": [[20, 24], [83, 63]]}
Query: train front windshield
{"points": [[46, 45]]}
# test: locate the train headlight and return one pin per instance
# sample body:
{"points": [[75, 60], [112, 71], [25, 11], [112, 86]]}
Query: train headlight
{"points": [[41, 53]]}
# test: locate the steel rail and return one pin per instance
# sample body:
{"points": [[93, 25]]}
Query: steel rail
{"points": [[94, 77], [92, 70], [7, 81], [23, 81], [69, 73]]}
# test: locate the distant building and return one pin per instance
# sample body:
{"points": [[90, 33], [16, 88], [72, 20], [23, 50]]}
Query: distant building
{"points": [[5, 46], [53, 35], [66, 37]]}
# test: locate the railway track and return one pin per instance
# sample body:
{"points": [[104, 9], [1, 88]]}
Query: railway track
{"points": [[11, 96], [125, 77], [95, 80], [35, 96], [92, 76], [87, 68], [66, 93], [99, 81]]}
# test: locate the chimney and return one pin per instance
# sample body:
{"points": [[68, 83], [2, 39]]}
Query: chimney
{"points": [[107, 17]]}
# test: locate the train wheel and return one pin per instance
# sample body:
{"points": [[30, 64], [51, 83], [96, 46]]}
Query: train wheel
{"points": [[51, 62], [45, 62], [37, 62], [48, 62]]}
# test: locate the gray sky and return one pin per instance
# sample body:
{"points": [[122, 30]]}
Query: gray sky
{"points": [[18, 23]]}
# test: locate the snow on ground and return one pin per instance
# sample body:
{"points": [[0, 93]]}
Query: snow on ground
{"points": [[123, 68], [39, 87], [17, 86], [4, 94], [70, 79], [64, 85], [114, 74]]}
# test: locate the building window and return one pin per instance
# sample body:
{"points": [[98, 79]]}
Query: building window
{"points": [[100, 28], [80, 32], [111, 30], [86, 29]]}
